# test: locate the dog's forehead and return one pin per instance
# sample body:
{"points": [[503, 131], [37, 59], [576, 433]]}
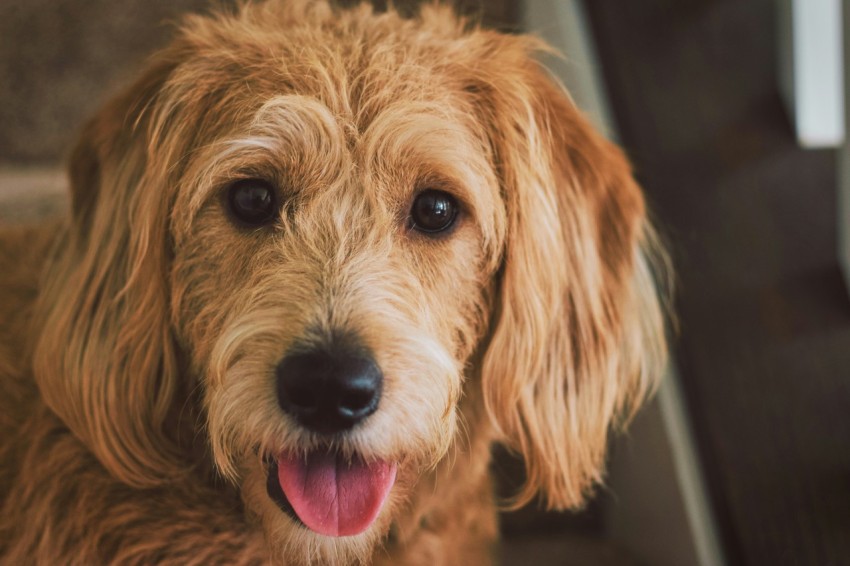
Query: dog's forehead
{"points": [[354, 62]]}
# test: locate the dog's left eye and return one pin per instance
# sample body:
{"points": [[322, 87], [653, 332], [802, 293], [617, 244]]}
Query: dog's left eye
{"points": [[252, 201], [433, 211]]}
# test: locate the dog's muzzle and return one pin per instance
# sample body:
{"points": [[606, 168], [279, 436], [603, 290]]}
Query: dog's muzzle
{"points": [[329, 391]]}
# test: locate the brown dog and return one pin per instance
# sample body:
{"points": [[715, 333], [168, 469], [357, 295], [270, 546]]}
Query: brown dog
{"points": [[317, 262]]}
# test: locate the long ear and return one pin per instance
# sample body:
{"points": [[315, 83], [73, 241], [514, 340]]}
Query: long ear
{"points": [[578, 340], [105, 359]]}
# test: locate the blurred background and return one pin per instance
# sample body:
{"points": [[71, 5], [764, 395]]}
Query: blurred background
{"points": [[732, 113]]}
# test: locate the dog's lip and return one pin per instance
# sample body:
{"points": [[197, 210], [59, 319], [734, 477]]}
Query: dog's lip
{"points": [[328, 486]]}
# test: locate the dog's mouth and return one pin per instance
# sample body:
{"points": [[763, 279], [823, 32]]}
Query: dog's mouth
{"points": [[330, 493]]}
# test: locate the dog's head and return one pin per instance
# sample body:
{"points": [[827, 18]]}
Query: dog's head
{"points": [[328, 227]]}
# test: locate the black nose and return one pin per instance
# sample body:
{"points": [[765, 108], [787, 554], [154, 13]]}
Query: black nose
{"points": [[328, 391]]}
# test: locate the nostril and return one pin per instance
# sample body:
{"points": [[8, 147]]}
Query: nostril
{"points": [[359, 394], [300, 395], [356, 401]]}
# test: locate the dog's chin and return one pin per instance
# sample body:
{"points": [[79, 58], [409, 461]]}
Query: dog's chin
{"points": [[323, 507]]}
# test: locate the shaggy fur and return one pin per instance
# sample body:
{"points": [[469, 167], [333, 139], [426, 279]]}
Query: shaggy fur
{"points": [[139, 336]]}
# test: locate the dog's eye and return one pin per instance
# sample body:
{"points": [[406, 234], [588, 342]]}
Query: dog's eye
{"points": [[252, 201], [433, 211]]}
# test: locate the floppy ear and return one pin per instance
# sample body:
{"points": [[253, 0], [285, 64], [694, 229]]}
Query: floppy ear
{"points": [[578, 338], [105, 360]]}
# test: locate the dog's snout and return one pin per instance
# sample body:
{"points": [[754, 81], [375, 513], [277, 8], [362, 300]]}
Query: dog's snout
{"points": [[326, 391]]}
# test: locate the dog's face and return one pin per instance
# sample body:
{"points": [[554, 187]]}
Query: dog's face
{"points": [[333, 261], [331, 227]]}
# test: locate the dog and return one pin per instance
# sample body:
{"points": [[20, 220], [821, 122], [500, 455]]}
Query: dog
{"points": [[317, 261]]}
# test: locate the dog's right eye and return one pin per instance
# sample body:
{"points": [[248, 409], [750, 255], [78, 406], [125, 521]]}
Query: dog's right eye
{"points": [[433, 211], [252, 201]]}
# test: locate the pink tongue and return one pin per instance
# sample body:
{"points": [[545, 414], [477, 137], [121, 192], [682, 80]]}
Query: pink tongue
{"points": [[332, 496]]}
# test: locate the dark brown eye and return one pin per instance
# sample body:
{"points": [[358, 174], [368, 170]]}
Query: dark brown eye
{"points": [[252, 201], [433, 211]]}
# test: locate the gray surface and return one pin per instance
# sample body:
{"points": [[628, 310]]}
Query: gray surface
{"points": [[28, 195], [644, 510], [563, 550], [60, 59]]}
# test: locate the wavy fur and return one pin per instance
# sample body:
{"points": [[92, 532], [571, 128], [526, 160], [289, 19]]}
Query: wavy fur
{"points": [[137, 396]]}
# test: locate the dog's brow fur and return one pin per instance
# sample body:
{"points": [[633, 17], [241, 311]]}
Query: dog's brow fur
{"points": [[140, 335]]}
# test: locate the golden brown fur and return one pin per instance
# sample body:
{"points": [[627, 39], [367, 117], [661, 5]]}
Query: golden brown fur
{"points": [[136, 404]]}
